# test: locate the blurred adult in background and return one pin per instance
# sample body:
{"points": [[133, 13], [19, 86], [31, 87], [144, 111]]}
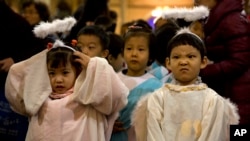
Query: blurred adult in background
{"points": [[63, 10], [105, 22], [35, 12], [91, 9], [17, 43], [227, 39]]}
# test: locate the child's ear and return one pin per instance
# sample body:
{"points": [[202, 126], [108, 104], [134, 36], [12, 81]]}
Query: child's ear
{"points": [[204, 62], [167, 63], [105, 53]]}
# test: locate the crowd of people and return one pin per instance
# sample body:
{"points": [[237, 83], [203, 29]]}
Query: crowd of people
{"points": [[71, 77]]}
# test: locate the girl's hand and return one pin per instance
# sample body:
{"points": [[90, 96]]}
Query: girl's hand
{"points": [[82, 58], [5, 64]]}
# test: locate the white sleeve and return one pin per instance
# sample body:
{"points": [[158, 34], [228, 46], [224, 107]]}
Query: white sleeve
{"points": [[27, 85], [155, 117], [218, 114], [101, 87]]}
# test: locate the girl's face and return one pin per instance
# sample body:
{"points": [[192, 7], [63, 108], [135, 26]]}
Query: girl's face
{"points": [[31, 15], [136, 55], [185, 63], [62, 78], [91, 46]]}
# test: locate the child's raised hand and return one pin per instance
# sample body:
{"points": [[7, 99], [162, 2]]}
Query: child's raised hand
{"points": [[82, 58]]}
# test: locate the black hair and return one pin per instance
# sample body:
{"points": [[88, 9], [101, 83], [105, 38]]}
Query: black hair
{"points": [[115, 45], [62, 56], [135, 31], [142, 23], [105, 22], [96, 31], [183, 23], [163, 35], [41, 7], [187, 39]]}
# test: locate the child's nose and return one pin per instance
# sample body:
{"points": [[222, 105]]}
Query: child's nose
{"points": [[134, 52], [183, 62], [59, 79]]}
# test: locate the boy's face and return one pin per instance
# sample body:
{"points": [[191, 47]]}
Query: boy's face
{"points": [[91, 46], [136, 55], [62, 78], [185, 63]]}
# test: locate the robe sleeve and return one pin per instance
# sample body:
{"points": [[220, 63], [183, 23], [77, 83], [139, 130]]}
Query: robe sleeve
{"points": [[101, 87], [155, 116], [218, 115], [27, 85]]}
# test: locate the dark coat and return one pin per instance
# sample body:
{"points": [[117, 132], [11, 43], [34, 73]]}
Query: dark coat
{"points": [[16, 38], [227, 40]]}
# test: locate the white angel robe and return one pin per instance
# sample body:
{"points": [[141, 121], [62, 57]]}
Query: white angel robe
{"points": [[184, 113], [87, 114]]}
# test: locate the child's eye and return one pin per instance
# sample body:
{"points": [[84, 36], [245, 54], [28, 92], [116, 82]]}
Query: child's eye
{"points": [[91, 47], [128, 48], [141, 49], [191, 56], [65, 72], [175, 57]]}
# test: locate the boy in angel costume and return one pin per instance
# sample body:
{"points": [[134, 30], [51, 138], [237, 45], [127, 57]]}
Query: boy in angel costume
{"points": [[183, 13], [67, 95], [185, 109]]}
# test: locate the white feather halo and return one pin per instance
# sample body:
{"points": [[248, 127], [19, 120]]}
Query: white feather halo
{"points": [[56, 26], [188, 14]]}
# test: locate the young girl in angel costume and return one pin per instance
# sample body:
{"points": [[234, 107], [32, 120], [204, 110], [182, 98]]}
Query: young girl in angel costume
{"points": [[67, 95], [185, 109], [138, 53]]}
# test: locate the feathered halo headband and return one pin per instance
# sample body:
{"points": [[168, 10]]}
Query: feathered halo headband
{"points": [[57, 26], [185, 13]]}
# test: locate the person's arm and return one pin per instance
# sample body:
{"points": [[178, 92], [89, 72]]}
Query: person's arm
{"points": [[27, 85], [154, 115], [218, 114], [235, 50], [98, 85]]}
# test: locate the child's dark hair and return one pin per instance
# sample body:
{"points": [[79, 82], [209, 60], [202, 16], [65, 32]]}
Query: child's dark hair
{"points": [[116, 44], [62, 56], [135, 31], [163, 35], [187, 39], [96, 31]]}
